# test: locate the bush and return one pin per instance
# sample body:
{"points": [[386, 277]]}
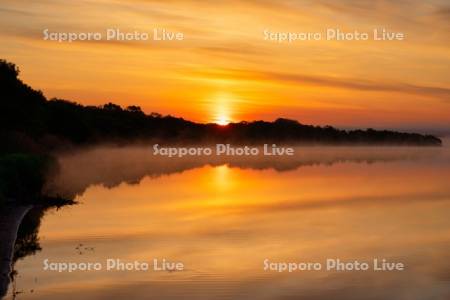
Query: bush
{"points": [[22, 176]]}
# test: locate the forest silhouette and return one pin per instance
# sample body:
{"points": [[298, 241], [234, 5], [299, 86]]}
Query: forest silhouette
{"points": [[32, 123]]}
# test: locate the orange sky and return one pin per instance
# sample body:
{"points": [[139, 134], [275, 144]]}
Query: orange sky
{"points": [[224, 70]]}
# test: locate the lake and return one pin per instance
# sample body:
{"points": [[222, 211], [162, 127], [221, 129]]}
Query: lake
{"points": [[232, 221]]}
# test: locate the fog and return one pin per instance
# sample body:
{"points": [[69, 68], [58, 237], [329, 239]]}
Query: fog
{"points": [[111, 165]]}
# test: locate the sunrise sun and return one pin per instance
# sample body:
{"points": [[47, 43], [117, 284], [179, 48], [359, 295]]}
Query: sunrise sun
{"points": [[222, 121]]}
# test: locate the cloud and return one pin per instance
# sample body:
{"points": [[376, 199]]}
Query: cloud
{"points": [[345, 83], [13, 11]]}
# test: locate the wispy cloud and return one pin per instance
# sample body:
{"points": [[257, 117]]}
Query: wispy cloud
{"points": [[345, 83]]}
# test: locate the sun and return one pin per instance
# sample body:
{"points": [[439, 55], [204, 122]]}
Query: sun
{"points": [[221, 108], [222, 121]]}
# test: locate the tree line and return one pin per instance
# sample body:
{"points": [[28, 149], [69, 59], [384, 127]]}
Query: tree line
{"points": [[32, 123]]}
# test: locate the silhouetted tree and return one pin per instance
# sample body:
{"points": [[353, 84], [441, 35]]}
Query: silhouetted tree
{"points": [[30, 122]]}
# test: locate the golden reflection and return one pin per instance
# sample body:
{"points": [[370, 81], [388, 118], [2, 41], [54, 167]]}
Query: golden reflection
{"points": [[222, 222], [222, 177]]}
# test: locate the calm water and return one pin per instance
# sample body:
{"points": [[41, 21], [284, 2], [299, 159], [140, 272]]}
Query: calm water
{"points": [[223, 218]]}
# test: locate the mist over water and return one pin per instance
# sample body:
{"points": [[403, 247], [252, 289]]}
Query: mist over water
{"points": [[223, 216], [112, 165]]}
